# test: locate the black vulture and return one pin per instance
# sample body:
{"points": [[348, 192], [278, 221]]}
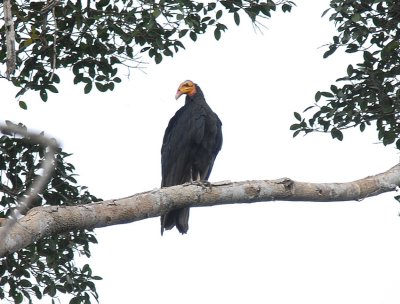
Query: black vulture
{"points": [[191, 143]]}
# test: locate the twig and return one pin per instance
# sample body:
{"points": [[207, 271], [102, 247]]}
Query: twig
{"points": [[54, 45]]}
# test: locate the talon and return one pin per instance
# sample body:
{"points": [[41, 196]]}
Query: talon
{"points": [[202, 183]]}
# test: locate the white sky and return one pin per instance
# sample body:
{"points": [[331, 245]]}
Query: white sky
{"points": [[274, 252]]}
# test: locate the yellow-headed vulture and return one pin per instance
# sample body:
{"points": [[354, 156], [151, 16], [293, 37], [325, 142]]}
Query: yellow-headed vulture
{"points": [[191, 143]]}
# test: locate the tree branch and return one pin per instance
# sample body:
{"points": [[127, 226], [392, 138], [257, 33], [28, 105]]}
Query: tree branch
{"points": [[49, 146], [10, 38], [50, 220]]}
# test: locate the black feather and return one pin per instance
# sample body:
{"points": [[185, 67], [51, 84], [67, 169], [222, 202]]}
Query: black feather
{"points": [[191, 143]]}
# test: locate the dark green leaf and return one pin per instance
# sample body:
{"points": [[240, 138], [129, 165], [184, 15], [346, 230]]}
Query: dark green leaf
{"points": [[327, 94], [87, 88], [43, 95], [101, 87], [52, 88], [325, 11], [350, 70], [356, 17], [22, 105], [217, 34], [295, 127], [236, 17], [317, 96], [337, 134], [286, 8], [332, 49], [193, 36], [158, 58], [25, 283]]}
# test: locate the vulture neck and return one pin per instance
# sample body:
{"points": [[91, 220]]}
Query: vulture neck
{"points": [[198, 97]]}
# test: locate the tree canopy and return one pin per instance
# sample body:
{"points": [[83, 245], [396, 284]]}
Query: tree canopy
{"points": [[46, 267], [96, 39], [369, 91]]}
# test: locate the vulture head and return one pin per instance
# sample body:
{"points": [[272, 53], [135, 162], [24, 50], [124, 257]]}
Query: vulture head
{"points": [[187, 87]]}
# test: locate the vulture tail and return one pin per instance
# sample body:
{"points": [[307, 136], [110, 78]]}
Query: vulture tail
{"points": [[178, 218]]}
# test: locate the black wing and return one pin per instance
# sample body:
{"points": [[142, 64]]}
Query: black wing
{"points": [[214, 147], [185, 130]]}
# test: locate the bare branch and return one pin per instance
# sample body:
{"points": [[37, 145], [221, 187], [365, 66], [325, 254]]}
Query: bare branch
{"points": [[50, 146], [50, 220], [50, 5], [10, 38]]}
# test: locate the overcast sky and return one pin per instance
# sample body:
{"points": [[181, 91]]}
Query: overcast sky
{"points": [[274, 252]]}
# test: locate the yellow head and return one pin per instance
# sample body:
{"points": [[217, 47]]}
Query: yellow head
{"points": [[187, 87]]}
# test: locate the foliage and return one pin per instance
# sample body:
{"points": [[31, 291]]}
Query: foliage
{"points": [[370, 89], [46, 267], [95, 38]]}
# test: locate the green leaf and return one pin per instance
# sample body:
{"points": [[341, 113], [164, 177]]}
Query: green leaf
{"points": [[317, 96], [218, 14], [286, 8], [182, 33], [236, 17], [350, 70], [87, 88], [297, 116], [102, 3], [101, 87], [332, 49], [22, 105], [389, 49], [158, 58], [43, 95], [295, 127], [211, 6], [193, 36], [356, 17], [156, 12], [52, 88], [308, 108], [296, 133], [389, 138], [336, 133], [325, 11], [18, 297], [368, 57], [217, 34], [25, 283], [327, 94]]}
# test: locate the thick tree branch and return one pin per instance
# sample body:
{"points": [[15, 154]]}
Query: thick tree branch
{"points": [[49, 220]]}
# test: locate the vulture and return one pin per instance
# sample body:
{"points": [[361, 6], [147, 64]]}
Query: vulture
{"points": [[190, 145]]}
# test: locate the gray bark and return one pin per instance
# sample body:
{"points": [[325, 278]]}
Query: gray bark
{"points": [[44, 221]]}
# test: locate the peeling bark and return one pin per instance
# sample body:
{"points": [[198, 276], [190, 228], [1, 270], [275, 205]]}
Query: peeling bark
{"points": [[44, 221], [10, 38]]}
